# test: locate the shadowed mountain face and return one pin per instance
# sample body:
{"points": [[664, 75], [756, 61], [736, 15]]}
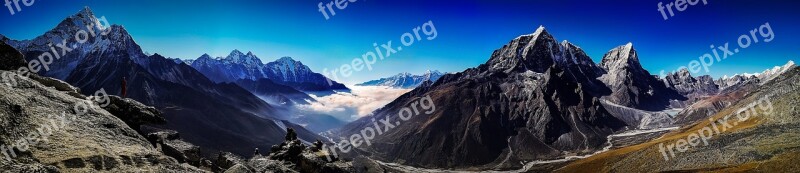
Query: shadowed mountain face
{"points": [[532, 100], [214, 116]]}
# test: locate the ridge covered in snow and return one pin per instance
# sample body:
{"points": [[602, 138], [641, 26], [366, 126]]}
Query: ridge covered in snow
{"points": [[405, 80], [285, 70]]}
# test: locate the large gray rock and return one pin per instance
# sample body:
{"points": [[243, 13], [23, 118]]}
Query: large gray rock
{"points": [[48, 134], [171, 145]]}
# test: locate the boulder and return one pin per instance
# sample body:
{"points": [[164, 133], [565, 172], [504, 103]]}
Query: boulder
{"points": [[133, 113]]}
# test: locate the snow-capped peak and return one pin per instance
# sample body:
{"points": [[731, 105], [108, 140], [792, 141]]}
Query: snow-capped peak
{"points": [[286, 59], [237, 57]]}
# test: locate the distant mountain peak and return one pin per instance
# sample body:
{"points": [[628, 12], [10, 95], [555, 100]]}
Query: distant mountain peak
{"points": [[248, 59], [286, 59]]}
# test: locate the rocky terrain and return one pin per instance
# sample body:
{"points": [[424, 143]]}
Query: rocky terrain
{"points": [[42, 131], [767, 141]]}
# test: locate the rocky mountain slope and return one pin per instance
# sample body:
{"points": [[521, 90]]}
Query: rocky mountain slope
{"points": [[405, 80], [708, 96], [532, 100], [760, 136]]}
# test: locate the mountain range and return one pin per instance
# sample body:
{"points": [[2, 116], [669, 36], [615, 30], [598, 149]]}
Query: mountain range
{"points": [[285, 71], [405, 80]]}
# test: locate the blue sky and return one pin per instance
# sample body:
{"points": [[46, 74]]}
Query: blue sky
{"points": [[468, 30]]}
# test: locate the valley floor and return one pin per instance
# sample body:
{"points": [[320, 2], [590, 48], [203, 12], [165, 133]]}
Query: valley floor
{"points": [[619, 140]]}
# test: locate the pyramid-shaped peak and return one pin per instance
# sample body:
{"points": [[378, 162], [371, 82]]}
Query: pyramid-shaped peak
{"points": [[622, 57], [85, 13], [540, 29], [236, 52], [286, 58], [86, 10]]}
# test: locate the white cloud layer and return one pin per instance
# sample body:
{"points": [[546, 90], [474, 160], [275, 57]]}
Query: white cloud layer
{"points": [[360, 102]]}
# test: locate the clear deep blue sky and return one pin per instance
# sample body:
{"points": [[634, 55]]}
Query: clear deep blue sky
{"points": [[468, 30]]}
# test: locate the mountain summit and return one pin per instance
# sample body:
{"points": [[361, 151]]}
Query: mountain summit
{"points": [[631, 84]]}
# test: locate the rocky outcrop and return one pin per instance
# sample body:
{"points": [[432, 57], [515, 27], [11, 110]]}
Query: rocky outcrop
{"points": [[293, 156], [170, 144]]}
